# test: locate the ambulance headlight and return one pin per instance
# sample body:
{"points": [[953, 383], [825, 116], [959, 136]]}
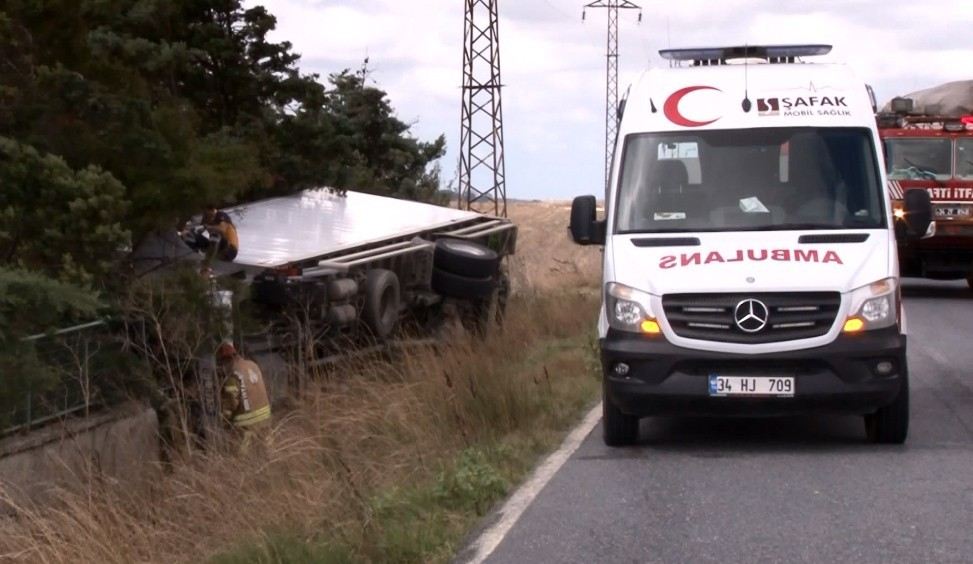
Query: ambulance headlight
{"points": [[876, 310], [874, 306], [630, 310]]}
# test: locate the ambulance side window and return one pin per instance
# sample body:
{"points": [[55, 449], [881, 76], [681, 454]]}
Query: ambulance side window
{"points": [[686, 152]]}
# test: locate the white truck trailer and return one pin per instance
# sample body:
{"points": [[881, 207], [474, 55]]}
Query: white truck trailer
{"points": [[327, 268]]}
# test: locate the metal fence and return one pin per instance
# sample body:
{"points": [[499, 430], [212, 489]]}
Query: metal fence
{"points": [[75, 364]]}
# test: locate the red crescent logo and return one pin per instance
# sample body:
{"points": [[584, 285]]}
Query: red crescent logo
{"points": [[671, 107]]}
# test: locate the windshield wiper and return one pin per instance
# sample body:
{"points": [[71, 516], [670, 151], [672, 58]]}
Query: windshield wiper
{"points": [[931, 175]]}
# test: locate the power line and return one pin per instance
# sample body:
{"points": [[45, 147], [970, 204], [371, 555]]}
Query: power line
{"points": [[482, 174], [611, 89]]}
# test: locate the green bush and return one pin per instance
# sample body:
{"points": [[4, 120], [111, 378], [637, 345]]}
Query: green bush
{"points": [[472, 483], [32, 303], [54, 220]]}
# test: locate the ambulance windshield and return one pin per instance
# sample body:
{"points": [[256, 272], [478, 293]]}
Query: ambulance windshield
{"points": [[749, 179]]}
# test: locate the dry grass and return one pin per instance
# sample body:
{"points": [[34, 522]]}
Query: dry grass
{"points": [[384, 462], [546, 258]]}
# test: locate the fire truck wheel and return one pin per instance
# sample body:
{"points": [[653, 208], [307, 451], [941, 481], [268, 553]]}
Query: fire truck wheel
{"points": [[462, 287], [465, 258], [890, 424], [381, 310]]}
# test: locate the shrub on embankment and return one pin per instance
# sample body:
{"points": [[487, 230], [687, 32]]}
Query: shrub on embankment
{"points": [[383, 461]]}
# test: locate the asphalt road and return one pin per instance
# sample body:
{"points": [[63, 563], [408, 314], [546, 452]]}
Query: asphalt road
{"points": [[780, 490]]}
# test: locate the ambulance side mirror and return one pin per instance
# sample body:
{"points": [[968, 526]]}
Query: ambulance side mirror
{"points": [[585, 227], [918, 212]]}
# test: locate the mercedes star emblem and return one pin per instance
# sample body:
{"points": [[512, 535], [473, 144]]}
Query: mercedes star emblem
{"points": [[751, 315]]}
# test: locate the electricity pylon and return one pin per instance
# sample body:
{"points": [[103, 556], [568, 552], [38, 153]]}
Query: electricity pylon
{"points": [[482, 176], [611, 90]]}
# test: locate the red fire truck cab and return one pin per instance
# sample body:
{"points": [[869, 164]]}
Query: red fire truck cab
{"points": [[932, 153]]}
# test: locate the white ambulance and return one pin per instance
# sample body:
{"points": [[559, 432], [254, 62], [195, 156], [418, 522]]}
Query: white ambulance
{"points": [[750, 260]]}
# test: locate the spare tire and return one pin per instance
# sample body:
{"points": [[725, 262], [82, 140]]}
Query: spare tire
{"points": [[381, 310], [462, 287], [465, 258]]}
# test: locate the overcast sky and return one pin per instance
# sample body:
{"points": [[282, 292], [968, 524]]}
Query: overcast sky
{"points": [[553, 64]]}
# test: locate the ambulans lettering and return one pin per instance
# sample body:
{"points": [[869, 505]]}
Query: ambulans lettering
{"points": [[750, 255]]}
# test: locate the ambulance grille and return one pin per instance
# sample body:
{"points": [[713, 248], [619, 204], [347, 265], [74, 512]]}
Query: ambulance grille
{"points": [[789, 317]]}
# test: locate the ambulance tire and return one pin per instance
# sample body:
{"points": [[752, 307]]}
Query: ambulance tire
{"points": [[619, 429], [381, 309], [890, 424], [462, 287], [465, 258]]}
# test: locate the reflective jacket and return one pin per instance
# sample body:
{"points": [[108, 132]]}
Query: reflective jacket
{"points": [[244, 396], [222, 224]]}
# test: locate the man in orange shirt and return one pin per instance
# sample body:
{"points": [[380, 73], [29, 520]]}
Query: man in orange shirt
{"points": [[219, 222], [215, 224]]}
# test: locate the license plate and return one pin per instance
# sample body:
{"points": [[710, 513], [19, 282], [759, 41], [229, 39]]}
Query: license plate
{"points": [[952, 211], [776, 386]]}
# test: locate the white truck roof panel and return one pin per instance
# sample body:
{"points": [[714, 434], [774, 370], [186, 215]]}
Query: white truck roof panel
{"points": [[316, 222]]}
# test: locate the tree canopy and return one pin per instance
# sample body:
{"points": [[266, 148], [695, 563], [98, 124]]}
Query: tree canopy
{"points": [[130, 115]]}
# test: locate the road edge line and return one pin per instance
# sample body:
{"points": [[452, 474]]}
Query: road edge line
{"points": [[521, 499]]}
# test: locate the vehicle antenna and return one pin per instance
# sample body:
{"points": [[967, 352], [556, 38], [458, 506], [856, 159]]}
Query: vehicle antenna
{"points": [[747, 104]]}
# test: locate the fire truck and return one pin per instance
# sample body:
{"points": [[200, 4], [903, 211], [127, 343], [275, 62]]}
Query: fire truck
{"points": [[934, 153]]}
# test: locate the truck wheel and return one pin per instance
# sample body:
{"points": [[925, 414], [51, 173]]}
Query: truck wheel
{"points": [[620, 429], [381, 310], [462, 287], [890, 424], [465, 258]]}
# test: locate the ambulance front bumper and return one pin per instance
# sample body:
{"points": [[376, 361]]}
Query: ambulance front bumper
{"points": [[648, 376]]}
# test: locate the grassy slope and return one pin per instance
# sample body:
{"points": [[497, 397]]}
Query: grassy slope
{"points": [[384, 463]]}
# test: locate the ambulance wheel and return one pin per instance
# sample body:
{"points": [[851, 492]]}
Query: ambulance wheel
{"points": [[381, 310], [462, 287], [465, 258], [890, 424], [619, 429]]}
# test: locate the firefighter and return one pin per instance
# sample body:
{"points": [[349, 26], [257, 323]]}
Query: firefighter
{"points": [[215, 224], [219, 222], [245, 406]]}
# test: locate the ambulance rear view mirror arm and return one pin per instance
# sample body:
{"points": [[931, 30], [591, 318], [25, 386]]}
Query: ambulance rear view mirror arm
{"points": [[585, 227], [918, 212]]}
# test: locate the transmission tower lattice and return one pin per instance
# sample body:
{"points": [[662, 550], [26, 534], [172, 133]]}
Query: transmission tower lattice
{"points": [[611, 91], [482, 176]]}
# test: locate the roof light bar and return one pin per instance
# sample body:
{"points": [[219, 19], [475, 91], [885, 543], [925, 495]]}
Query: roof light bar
{"points": [[773, 53]]}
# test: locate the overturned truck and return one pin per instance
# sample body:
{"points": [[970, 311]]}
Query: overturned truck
{"points": [[326, 271]]}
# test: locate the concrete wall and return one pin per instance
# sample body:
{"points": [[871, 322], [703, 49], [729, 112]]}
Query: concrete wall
{"points": [[122, 443]]}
